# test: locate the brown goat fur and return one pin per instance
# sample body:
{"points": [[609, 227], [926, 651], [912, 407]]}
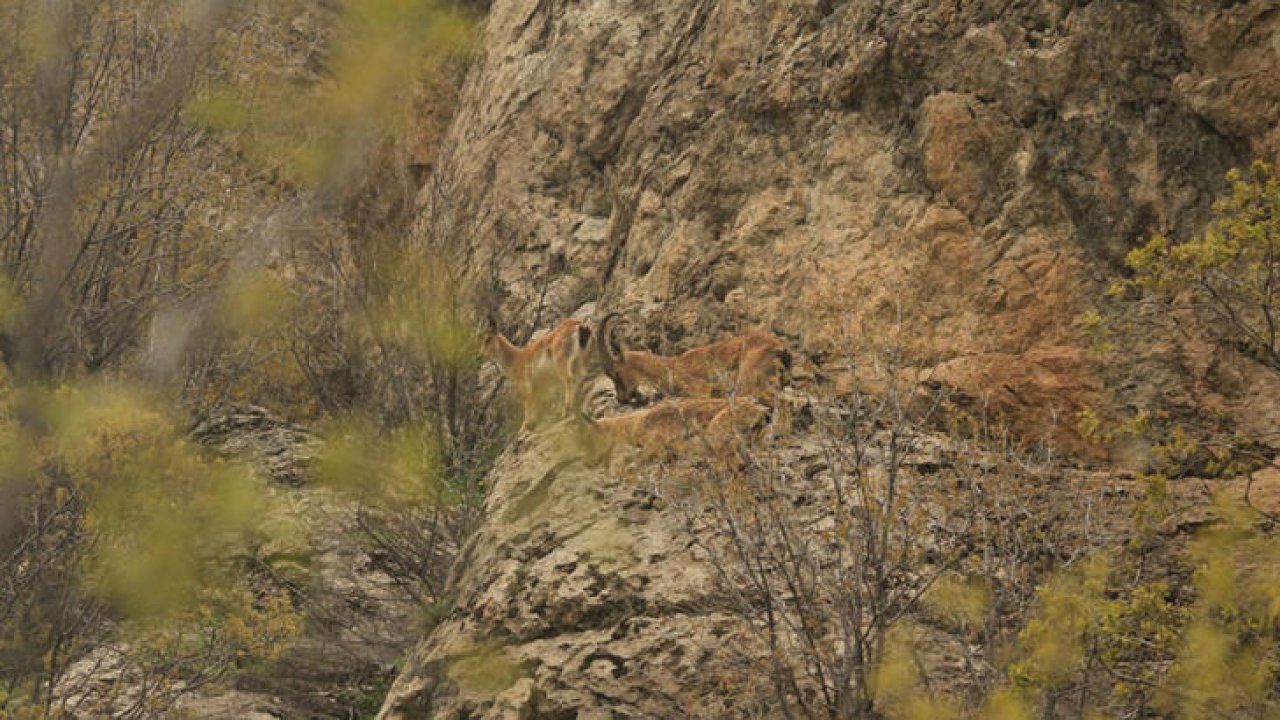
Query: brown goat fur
{"points": [[547, 371], [748, 364], [680, 426]]}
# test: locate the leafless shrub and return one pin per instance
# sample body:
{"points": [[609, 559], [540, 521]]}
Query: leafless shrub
{"points": [[860, 528], [102, 203]]}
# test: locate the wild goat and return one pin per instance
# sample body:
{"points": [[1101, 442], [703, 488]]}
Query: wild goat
{"points": [[679, 426], [745, 365], [546, 372]]}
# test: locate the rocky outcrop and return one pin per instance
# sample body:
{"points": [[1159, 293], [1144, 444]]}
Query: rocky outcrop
{"points": [[960, 178], [276, 448], [976, 171], [577, 597]]}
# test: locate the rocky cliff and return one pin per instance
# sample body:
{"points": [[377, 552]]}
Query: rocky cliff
{"points": [[965, 175], [823, 168]]}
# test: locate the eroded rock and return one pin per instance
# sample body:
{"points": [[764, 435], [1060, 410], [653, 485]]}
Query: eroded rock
{"points": [[576, 599], [963, 179]]}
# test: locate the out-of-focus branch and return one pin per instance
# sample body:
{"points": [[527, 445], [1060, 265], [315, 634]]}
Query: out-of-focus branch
{"points": [[132, 127]]}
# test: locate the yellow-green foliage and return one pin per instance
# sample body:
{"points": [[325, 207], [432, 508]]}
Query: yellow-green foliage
{"points": [[423, 312], [141, 525], [1054, 640], [1229, 656], [1138, 425], [133, 537], [377, 52], [398, 467], [256, 302], [1083, 619], [1137, 631], [330, 117], [1233, 269], [1097, 328], [1218, 656], [1005, 704], [896, 684], [1198, 446], [158, 510], [964, 601], [413, 507], [1153, 508]]}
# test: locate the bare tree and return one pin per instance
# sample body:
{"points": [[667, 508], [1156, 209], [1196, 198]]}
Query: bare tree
{"points": [[101, 173]]}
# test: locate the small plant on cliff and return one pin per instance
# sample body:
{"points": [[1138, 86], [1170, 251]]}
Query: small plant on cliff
{"points": [[1223, 286], [1194, 633], [1232, 270], [1097, 638]]}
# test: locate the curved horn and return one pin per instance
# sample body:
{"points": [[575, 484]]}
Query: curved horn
{"points": [[604, 348]]}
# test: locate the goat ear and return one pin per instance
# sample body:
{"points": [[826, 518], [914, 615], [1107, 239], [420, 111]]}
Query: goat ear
{"points": [[584, 336]]}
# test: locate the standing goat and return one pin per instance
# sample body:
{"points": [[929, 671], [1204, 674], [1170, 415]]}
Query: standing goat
{"points": [[546, 372], [746, 365]]}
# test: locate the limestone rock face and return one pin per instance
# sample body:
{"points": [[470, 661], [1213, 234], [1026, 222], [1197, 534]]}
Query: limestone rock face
{"points": [[967, 176], [577, 599], [972, 172]]}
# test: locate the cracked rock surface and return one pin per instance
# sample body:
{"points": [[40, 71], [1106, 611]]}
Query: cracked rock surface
{"points": [[581, 586], [972, 172]]}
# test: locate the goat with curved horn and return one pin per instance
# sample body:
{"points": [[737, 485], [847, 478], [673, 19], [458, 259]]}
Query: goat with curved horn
{"points": [[747, 364]]}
